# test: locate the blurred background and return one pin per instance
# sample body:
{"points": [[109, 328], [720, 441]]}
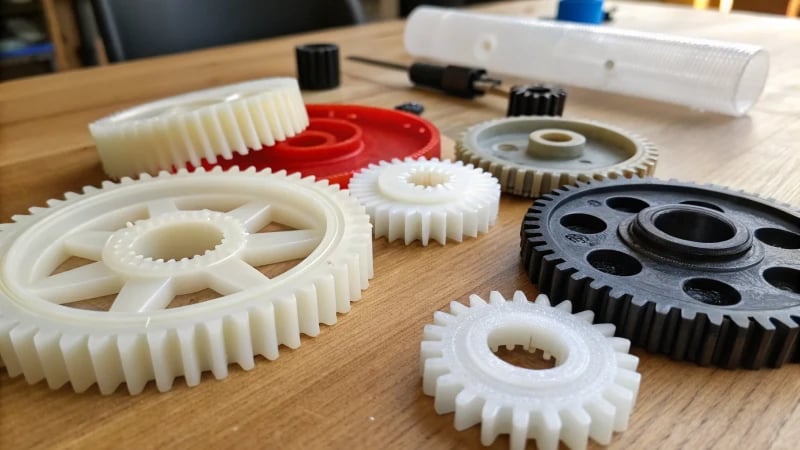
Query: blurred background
{"points": [[42, 36]]}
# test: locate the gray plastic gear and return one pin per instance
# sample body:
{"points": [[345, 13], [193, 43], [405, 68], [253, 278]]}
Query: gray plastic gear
{"points": [[145, 242], [532, 155]]}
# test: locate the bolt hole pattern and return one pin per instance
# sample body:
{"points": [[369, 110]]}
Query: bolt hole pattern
{"points": [[583, 223], [614, 262], [711, 292], [784, 278], [627, 204], [703, 205], [507, 147], [694, 226], [776, 237]]}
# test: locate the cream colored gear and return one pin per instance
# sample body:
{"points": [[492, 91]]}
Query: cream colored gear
{"points": [[532, 155], [589, 393], [421, 199], [199, 125], [144, 243]]}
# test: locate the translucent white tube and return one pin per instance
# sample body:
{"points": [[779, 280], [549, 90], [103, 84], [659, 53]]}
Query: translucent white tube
{"points": [[708, 75]]}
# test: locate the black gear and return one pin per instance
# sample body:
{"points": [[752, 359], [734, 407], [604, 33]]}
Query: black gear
{"points": [[536, 100], [317, 66], [702, 274]]}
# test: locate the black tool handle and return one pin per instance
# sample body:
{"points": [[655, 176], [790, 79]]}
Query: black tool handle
{"points": [[453, 80]]}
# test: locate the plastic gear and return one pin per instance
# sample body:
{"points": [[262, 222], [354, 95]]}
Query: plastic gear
{"points": [[199, 125], [531, 156], [427, 199], [699, 273], [589, 393], [151, 240], [536, 100]]}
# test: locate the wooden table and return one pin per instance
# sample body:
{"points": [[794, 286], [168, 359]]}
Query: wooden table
{"points": [[357, 384]]}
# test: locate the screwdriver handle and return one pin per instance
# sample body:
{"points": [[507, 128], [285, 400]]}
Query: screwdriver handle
{"points": [[453, 80]]}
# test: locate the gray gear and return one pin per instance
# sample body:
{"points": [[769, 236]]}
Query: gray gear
{"points": [[533, 155]]}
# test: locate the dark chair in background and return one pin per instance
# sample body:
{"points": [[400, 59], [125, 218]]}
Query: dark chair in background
{"points": [[140, 28]]}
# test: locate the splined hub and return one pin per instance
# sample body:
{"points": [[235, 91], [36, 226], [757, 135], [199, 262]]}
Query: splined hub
{"points": [[699, 273]]}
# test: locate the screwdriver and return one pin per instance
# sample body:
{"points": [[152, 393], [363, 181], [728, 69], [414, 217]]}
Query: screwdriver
{"points": [[458, 81]]}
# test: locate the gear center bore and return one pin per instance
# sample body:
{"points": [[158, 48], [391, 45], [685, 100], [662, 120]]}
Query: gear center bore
{"points": [[687, 233], [176, 242], [555, 143]]}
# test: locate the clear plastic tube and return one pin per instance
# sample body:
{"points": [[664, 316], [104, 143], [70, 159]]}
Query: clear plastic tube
{"points": [[707, 75]]}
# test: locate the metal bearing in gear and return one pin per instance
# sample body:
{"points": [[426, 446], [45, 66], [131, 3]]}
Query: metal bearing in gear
{"points": [[589, 393], [145, 245], [698, 273], [531, 156]]}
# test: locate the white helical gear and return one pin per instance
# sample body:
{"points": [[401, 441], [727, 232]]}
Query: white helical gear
{"points": [[199, 125], [589, 393], [150, 240], [421, 199]]}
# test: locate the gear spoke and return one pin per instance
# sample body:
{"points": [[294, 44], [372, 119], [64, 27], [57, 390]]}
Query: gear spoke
{"points": [[87, 244], [234, 276], [161, 206], [280, 246], [85, 282], [140, 295], [254, 215]]}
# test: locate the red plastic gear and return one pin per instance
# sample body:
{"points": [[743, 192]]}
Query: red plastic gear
{"points": [[342, 139]]}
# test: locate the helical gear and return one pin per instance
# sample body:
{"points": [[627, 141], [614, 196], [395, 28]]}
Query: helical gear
{"points": [[532, 155], [590, 393], [199, 125], [420, 199], [148, 241]]}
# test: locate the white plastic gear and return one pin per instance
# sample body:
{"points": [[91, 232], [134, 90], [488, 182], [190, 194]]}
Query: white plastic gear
{"points": [[202, 124], [522, 168], [150, 240], [427, 199], [589, 393]]}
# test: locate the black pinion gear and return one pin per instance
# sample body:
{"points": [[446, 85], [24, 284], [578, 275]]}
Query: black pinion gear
{"points": [[699, 273], [536, 100]]}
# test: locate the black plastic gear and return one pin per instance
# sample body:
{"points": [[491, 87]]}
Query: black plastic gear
{"points": [[702, 274], [536, 100], [317, 66]]}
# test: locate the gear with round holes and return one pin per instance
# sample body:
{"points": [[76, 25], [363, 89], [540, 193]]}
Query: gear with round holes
{"points": [[420, 199], [283, 253], [590, 393], [199, 125], [699, 273], [343, 139], [536, 100], [534, 155]]}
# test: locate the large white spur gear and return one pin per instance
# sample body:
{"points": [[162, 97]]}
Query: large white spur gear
{"points": [[421, 199], [145, 246], [199, 125], [588, 394], [532, 155]]}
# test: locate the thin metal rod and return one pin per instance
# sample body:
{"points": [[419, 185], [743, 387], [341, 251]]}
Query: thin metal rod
{"points": [[375, 62]]}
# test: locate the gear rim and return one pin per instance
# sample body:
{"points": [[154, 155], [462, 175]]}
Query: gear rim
{"points": [[521, 174], [703, 321], [231, 330]]}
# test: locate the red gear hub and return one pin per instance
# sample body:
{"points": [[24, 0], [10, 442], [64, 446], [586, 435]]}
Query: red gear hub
{"points": [[341, 140]]}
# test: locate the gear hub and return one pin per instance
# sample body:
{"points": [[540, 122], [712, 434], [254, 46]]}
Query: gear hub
{"points": [[699, 273]]}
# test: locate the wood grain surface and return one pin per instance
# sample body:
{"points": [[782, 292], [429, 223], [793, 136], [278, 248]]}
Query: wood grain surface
{"points": [[357, 384]]}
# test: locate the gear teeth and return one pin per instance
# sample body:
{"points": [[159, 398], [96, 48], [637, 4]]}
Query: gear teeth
{"points": [[714, 337], [527, 180], [478, 391]]}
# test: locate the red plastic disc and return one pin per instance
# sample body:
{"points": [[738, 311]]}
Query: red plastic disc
{"points": [[341, 140]]}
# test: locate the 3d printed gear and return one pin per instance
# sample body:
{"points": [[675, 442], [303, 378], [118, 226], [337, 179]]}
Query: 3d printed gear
{"points": [[155, 239], [317, 66], [534, 155], [698, 273], [589, 393], [427, 199], [199, 125], [536, 100]]}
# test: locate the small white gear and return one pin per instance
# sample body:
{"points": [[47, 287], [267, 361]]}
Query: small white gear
{"points": [[151, 240], [532, 155], [202, 124], [589, 393], [427, 199]]}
